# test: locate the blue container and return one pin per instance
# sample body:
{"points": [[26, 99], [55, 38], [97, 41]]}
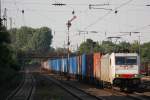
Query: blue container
{"points": [[73, 65], [79, 67], [63, 67], [83, 69], [58, 65], [70, 65], [54, 65]]}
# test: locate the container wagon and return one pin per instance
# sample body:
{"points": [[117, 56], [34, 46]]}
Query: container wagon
{"points": [[116, 69]]}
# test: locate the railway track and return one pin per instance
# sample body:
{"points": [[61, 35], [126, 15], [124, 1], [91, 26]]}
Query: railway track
{"points": [[128, 95], [77, 93], [114, 93], [25, 90]]}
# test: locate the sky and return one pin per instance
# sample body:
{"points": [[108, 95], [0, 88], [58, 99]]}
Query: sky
{"points": [[131, 16]]}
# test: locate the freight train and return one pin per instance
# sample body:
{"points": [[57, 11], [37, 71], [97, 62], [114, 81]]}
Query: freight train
{"points": [[109, 70]]}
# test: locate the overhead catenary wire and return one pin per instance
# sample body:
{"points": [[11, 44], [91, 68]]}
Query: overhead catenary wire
{"points": [[102, 17], [135, 31], [141, 28], [71, 4]]}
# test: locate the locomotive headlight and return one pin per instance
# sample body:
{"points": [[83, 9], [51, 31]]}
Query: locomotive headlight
{"points": [[135, 75], [117, 75]]}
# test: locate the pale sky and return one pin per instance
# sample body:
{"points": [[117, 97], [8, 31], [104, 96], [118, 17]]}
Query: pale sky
{"points": [[133, 15]]}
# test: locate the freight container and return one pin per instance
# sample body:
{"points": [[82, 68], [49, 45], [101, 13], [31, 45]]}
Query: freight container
{"points": [[79, 68], [73, 65], [65, 65], [105, 69], [59, 63], [89, 67], [62, 65], [49, 65], [45, 64], [54, 66], [97, 66], [84, 68]]}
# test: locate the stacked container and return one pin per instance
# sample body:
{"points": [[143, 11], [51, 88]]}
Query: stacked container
{"points": [[97, 66], [79, 67], [89, 67], [83, 67], [73, 66]]}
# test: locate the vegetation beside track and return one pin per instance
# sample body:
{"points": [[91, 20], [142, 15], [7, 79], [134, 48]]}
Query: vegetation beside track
{"points": [[7, 87], [9, 66]]}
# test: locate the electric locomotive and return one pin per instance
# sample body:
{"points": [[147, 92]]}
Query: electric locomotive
{"points": [[121, 70]]}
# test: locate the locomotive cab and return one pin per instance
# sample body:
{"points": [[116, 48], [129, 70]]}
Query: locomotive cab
{"points": [[126, 70]]}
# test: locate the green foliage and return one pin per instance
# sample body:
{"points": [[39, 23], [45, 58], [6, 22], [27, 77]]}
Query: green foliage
{"points": [[123, 47], [6, 56], [4, 36], [41, 40], [87, 47], [8, 63], [108, 47], [145, 51], [26, 40], [135, 47], [91, 46]]}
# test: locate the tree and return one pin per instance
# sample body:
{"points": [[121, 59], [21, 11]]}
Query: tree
{"points": [[8, 64], [90, 46], [108, 47], [123, 47], [4, 36], [4, 48], [41, 40], [145, 52], [20, 38], [26, 40], [135, 47]]}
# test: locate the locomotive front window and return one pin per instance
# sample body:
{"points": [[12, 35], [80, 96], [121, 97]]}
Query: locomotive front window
{"points": [[128, 60], [131, 60], [120, 60]]}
